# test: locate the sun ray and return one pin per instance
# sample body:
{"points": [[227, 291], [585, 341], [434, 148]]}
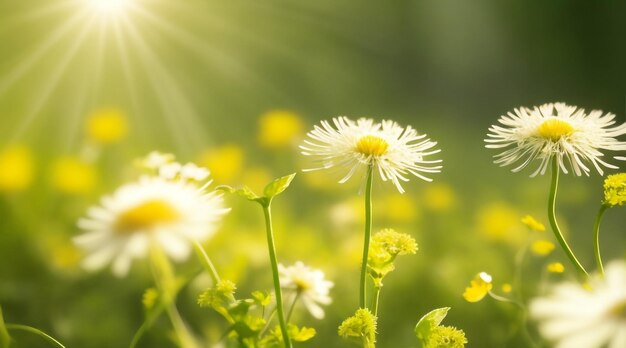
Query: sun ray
{"points": [[42, 48], [51, 82], [43, 11], [178, 111], [128, 75], [216, 59]]}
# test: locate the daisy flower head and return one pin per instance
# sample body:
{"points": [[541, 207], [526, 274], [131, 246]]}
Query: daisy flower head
{"points": [[575, 315], [393, 151], [563, 132], [307, 283], [155, 211]]}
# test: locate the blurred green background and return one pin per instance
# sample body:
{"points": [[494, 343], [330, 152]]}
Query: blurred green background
{"points": [[235, 86]]}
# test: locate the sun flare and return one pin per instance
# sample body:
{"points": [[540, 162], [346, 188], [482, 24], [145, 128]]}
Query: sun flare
{"points": [[108, 7]]}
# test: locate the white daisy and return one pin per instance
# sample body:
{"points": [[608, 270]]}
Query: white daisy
{"points": [[393, 151], [152, 211], [308, 284], [556, 131], [590, 316]]}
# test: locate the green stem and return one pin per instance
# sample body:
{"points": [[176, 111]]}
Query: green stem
{"points": [[554, 224], [185, 339], [4, 333], [531, 342], [596, 232], [36, 332], [166, 283], [368, 234], [376, 298], [206, 261], [293, 305], [277, 290]]}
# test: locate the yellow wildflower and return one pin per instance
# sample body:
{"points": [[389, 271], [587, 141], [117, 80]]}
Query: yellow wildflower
{"points": [[71, 175], [256, 178], [107, 126], [446, 337], [500, 222], [225, 162], [615, 189], [506, 288], [65, 255], [150, 297], [278, 128], [439, 197], [533, 224], [400, 208], [542, 247], [361, 325], [16, 168], [555, 267], [479, 287]]}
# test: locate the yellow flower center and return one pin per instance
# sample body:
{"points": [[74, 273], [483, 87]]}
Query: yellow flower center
{"points": [[146, 216], [554, 129], [302, 284], [619, 310], [372, 145]]}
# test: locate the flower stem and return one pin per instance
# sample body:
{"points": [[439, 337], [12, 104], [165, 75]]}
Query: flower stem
{"points": [[376, 298], [368, 234], [525, 334], [166, 283], [206, 261], [4, 333], [272, 251], [554, 224], [596, 232], [34, 331], [293, 305]]}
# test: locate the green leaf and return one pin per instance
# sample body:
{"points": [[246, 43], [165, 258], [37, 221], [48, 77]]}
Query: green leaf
{"points": [[244, 192], [278, 186], [429, 321]]}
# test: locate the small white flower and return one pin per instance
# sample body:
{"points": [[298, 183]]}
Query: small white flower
{"points": [[156, 159], [307, 283], [190, 171], [151, 212], [170, 171], [556, 131], [394, 152], [590, 316]]}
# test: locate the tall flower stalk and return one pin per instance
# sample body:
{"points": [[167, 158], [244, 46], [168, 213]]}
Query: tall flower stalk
{"points": [[167, 284], [614, 194], [366, 239], [558, 136], [554, 224], [386, 148], [596, 239], [267, 213], [271, 190]]}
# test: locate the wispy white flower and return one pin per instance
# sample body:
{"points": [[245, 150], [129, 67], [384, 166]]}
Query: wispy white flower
{"points": [[395, 152], [590, 316], [153, 211], [558, 131], [308, 284]]}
